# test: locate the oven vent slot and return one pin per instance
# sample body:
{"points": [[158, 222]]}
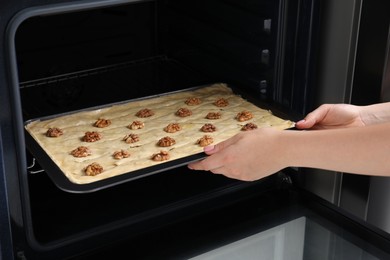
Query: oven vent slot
{"points": [[90, 72]]}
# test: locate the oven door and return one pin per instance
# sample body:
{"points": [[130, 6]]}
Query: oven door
{"points": [[290, 224]]}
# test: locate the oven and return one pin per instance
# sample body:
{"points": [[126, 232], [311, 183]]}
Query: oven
{"points": [[64, 56]]}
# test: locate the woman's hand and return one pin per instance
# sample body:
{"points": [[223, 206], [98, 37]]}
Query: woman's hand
{"points": [[330, 116], [347, 147], [246, 156]]}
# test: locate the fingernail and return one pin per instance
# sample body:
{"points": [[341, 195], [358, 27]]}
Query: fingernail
{"points": [[208, 148], [301, 121]]}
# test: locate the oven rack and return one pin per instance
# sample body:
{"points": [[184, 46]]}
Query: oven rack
{"points": [[33, 167], [91, 72]]}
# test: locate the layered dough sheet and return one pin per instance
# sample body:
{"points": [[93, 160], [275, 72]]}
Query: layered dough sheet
{"points": [[74, 126]]}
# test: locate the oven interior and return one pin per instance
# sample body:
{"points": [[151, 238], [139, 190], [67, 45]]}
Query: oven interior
{"points": [[70, 58]]}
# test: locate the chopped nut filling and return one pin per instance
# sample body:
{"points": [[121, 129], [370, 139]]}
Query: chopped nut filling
{"points": [[166, 141], [136, 125], [213, 115], [121, 154], [205, 140], [91, 137], [221, 102], [249, 126], [161, 156], [244, 116], [93, 169], [101, 122], [131, 138], [81, 151], [172, 128], [145, 113], [193, 101], [208, 128], [183, 112], [54, 132]]}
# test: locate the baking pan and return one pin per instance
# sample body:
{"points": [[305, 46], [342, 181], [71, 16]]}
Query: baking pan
{"points": [[62, 181]]}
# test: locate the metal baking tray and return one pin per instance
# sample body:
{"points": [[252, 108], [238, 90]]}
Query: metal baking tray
{"points": [[63, 183]]}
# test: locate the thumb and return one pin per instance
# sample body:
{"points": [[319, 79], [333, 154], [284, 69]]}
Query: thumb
{"points": [[305, 123], [210, 149], [313, 117]]}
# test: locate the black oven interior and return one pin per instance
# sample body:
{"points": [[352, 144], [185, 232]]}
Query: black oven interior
{"points": [[71, 57], [72, 60]]}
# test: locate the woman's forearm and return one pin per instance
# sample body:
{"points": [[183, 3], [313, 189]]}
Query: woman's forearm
{"points": [[361, 150], [375, 114]]}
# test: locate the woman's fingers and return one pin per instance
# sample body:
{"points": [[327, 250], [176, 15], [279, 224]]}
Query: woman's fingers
{"points": [[217, 156], [212, 149], [247, 156], [207, 164]]}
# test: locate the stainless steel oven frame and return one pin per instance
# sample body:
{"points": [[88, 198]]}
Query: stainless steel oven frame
{"points": [[292, 77]]}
